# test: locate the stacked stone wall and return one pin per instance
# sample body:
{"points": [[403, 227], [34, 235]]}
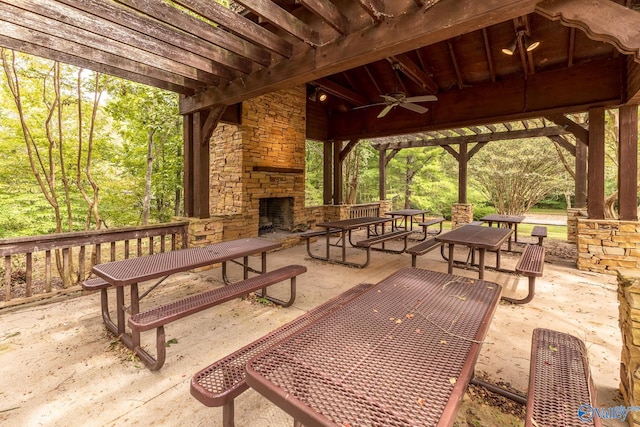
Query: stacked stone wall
{"points": [[461, 213], [629, 298], [607, 245], [573, 214]]}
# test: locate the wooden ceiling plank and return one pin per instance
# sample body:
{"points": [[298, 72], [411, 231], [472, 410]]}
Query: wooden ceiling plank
{"points": [[57, 28], [411, 69], [341, 92], [400, 34], [572, 46], [601, 20], [375, 9], [330, 13], [236, 24], [64, 57], [209, 43], [282, 19]]}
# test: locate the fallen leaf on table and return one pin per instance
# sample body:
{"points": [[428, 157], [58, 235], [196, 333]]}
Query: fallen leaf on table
{"points": [[452, 380], [553, 347], [443, 341]]}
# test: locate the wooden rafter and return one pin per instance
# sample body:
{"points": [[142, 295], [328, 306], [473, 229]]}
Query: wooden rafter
{"points": [[454, 62], [415, 73], [330, 13], [341, 92], [283, 20], [375, 9]]}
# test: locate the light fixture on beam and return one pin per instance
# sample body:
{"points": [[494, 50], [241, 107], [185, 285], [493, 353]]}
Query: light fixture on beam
{"points": [[318, 95], [528, 44]]}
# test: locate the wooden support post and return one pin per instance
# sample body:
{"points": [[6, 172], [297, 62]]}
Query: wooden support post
{"points": [[628, 163], [187, 179], [337, 173], [462, 173], [382, 173], [327, 174], [595, 201], [582, 154]]}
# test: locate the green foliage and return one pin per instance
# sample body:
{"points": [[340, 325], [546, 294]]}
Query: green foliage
{"points": [[314, 173]]}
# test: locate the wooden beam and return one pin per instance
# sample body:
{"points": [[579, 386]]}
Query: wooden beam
{"points": [[576, 89], [475, 149], [400, 34], [348, 148], [166, 82], [578, 131], [202, 39], [415, 73], [188, 66], [633, 82], [596, 18], [282, 19], [463, 159], [487, 51], [375, 9], [449, 149], [595, 199], [628, 163], [454, 62], [582, 154], [330, 13], [561, 141], [232, 21]]}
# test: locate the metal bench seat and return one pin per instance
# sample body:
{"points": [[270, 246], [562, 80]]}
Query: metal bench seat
{"points": [[159, 316], [383, 238], [221, 382], [540, 232], [531, 265], [422, 248], [426, 224], [559, 382]]}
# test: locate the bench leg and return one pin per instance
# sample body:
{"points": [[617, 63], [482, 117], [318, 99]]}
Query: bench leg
{"points": [[227, 414], [153, 363], [106, 317], [413, 260], [528, 298], [280, 302]]}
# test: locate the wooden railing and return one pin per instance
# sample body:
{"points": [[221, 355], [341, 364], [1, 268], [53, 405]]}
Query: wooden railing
{"points": [[37, 265], [364, 210]]}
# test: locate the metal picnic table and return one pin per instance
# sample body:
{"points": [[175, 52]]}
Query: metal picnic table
{"points": [[130, 272], [511, 221], [346, 226], [475, 237], [400, 354]]}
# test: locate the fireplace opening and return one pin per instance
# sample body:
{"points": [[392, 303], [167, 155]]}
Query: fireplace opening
{"points": [[276, 213]]}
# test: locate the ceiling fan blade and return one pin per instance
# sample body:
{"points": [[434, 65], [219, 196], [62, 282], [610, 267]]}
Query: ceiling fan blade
{"points": [[423, 98], [414, 107], [385, 110], [369, 105]]}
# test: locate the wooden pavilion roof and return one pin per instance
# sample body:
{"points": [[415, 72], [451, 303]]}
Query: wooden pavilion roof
{"points": [[212, 55]]}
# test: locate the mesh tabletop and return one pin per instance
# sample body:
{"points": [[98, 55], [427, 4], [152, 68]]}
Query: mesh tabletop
{"points": [[148, 267], [400, 355], [503, 218], [476, 235]]}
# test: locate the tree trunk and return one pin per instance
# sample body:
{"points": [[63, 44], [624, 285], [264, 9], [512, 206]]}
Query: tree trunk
{"points": [[146, 203]]}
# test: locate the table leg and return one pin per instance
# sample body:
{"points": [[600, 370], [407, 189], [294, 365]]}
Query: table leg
{"points": [[120, 308], [450, 270], [245, 267], [344, 247], [481, 263], [326, 239], [515, 232]]}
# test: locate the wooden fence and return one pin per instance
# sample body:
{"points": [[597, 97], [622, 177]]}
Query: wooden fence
{"points": [[35, 266], [364, 210]]}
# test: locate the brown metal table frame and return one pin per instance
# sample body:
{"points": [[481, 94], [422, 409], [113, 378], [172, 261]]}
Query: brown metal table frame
{"points": [[346, 226], [475, 237], [400, 354], [130, 272], [511, 221], [407, 214]]}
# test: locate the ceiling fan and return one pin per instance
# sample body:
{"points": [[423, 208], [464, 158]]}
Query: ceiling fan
{"points": [[400, 99]]}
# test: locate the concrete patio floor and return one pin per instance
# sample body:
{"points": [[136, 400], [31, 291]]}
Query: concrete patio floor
{"points": [[59, 367]]}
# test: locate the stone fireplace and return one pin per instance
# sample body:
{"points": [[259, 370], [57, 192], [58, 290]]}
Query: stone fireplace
{"points": [[257, 180]]}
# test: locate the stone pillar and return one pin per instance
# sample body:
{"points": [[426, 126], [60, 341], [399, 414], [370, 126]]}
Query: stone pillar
{"points": [[203, 232], [607, 245], [461, 213], [572, 223], [629, 298]]}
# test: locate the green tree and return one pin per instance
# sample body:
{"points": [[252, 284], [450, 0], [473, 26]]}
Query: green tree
{"points": [[516, 175], [150, 157]]}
